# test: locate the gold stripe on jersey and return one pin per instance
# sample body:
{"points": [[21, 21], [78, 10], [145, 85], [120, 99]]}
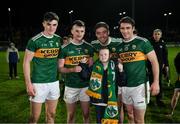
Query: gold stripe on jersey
{"points": [[132, 56], [74, 60], [47, 53]]}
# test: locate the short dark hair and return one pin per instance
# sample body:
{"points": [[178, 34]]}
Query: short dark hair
{"points": [[101, 24], [78, 23], [70, 36], [127, 19], [65, 38], [103, 48], [49, 16]]}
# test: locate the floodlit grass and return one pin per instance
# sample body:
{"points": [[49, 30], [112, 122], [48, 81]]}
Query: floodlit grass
{"points": [[14, 104]]}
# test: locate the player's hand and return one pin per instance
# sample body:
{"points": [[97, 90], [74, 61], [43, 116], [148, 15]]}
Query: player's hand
{"points": [[155, 88], [77, 69], [30, 90], [84, 60]]}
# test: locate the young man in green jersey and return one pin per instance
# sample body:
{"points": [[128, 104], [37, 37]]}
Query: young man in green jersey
{"points": [[133, 53], [104, 40], [70, 57], [43, 86]]}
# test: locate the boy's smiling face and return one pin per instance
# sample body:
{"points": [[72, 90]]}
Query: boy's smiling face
{"points": [[104, 55]]}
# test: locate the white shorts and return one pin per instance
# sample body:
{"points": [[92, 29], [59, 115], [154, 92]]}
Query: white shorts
{"points": [[72, 95], [137, 96], [45, 91]]}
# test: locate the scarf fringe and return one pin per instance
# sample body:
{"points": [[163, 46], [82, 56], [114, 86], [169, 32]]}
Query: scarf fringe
{"points": [[93, 94], [109, 121]]}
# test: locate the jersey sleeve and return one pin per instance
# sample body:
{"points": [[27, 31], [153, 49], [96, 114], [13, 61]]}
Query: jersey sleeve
{"points": [[31, 46], [62, 54], [147, 47], [91, 51]]}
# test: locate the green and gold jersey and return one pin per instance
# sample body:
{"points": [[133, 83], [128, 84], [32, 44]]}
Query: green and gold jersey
{"points": [[73, 53], [46, 50], [111, 44], [133, 56]]}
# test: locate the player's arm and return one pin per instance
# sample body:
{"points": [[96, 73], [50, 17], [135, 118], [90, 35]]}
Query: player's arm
{"points": [[155, 69], [26, 68], [18, 55], [7, 55], [63, 69]]}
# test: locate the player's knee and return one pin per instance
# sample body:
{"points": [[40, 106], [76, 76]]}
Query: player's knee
{"points": [[50, 115], [70, 116], [139, 120], [131, 116], [86, 115], [33, 119]]}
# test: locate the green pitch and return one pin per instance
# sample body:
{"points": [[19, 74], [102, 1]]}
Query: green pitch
{"points": [[14, 104]]}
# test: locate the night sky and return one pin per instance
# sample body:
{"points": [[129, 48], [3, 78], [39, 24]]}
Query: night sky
{"points": [[148, 14]]}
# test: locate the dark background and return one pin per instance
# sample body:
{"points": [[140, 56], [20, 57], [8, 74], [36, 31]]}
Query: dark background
{"points": [[25, 18]]}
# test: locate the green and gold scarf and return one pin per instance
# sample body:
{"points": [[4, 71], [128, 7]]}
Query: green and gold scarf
{"points": [[95, 87]]}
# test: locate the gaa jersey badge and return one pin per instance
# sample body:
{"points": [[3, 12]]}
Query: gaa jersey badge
{"points": [[113, 49], [86, 51], [133, 46], [126, 48]]}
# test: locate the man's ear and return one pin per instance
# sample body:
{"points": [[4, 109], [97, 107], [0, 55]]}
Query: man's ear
{"points": [[71, 31], [108, 32]]}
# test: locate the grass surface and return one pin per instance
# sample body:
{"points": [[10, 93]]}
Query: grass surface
{"points": [[14, 104]]}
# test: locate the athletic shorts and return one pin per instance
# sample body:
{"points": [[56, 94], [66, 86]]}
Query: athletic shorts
{"points": [[137, 96], [72, 95], [45, 91]]}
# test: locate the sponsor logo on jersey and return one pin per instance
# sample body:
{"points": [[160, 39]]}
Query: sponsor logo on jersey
{"points": [[47, 53], [74, 60], [132, 56]]}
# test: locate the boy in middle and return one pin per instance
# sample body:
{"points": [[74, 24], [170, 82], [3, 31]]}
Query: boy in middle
{"points": [[104, 39], [102, 88]]}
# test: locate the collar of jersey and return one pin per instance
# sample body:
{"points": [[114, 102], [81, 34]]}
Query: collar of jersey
{"points": [[109, 41], [127, 41], [77, 43]]}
